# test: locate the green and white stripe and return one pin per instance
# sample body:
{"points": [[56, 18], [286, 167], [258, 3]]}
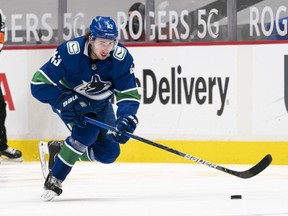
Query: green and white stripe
{"points": [[41, 78], [129, 94], [69, 155]]}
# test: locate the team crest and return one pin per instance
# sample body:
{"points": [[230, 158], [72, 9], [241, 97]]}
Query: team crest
{"points": [[96, 89]]}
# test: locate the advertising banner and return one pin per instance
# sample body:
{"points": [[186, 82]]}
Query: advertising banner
{"points": [[232, 92]]}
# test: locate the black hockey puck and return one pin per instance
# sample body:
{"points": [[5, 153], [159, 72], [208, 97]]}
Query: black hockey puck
{"points": [[236, 197]]}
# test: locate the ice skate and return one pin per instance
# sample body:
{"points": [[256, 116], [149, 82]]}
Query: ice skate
{"points": [[52, 148], [52, 188], [11, 155]]}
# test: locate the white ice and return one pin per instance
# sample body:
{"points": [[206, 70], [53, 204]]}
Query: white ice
{"points": [[138, 189]]}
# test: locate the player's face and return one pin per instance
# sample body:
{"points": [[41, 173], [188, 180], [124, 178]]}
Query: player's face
{"points": [[102, 47]]}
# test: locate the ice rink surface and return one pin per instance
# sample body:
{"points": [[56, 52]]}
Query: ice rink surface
{"points": [[132, 189]]}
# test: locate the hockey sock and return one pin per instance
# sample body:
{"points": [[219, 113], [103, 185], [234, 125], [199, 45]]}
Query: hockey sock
{"points": [[65, 160], [85, 157]]}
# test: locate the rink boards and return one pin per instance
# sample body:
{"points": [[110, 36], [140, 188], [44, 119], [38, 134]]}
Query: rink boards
{"points": [[219, 152], [222, 102]]}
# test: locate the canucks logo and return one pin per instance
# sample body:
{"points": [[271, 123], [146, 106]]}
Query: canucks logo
{"points": [[119, 53], [96, 89], [73, 47]]}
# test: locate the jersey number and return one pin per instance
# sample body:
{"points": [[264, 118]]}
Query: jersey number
{"points": [[56, 59]]}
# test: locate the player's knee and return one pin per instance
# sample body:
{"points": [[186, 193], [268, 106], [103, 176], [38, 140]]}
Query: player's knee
{"points": [[86, 135], [107, 155], [108, 160], [110, 157]]}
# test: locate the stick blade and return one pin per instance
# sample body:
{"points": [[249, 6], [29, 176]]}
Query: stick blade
{"points": [[258, 168], [255, 170]]}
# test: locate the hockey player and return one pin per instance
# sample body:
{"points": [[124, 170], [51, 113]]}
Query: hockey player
{"points": [[6, 152], [80, 79]]}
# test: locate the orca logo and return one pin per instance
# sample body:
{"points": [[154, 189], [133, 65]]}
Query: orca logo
{"points": [[96, 89], [286, 81], [96, 85]]}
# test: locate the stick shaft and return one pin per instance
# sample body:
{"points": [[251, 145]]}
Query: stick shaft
{"points": [[244, 174]]}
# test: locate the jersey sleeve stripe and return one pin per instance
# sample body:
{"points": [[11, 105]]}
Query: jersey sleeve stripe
{"points": [[41, 78], [131, 94]]}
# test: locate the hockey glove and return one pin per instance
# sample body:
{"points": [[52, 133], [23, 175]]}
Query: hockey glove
{"points": [[126, 123], [72, 108]]}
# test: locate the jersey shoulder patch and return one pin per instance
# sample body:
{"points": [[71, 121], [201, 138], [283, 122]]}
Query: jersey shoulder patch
{"points": [[73, 47], [119, 53]]}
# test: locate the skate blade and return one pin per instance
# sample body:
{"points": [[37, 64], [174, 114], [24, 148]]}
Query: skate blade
{"points": [[5, 160], [43, 152], [48, 195]]}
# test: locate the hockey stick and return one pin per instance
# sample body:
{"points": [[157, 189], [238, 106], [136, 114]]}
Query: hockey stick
{"points": [[255, 170]]}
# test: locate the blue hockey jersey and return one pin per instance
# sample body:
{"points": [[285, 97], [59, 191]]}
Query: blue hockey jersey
{"points": [[98, 80]]}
